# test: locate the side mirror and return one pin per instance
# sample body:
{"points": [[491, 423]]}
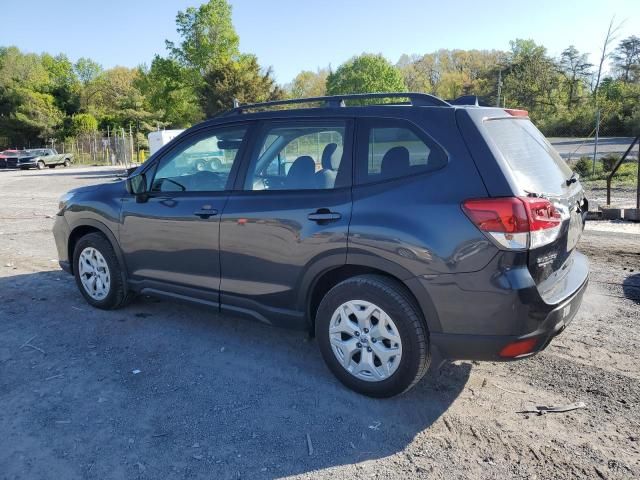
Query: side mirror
{"points": [[137, 184]]}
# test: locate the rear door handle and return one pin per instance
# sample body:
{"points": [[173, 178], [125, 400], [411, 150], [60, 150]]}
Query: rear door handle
{"points": [[205, 213], [324, 215]]}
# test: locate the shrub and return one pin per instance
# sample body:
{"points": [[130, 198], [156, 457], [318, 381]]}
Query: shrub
{"points": [[583, 166], [608, 161]]}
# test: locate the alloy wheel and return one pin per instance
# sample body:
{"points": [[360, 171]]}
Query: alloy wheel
{"points": [[94, 273], [365, 340]]}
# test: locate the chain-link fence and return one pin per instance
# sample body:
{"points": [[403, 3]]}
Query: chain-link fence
{"points": [[592, 141], [101, 148]]}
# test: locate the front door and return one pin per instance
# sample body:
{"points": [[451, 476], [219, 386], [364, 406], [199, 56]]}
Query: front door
{"points": [[288, 215], [170, 239]]}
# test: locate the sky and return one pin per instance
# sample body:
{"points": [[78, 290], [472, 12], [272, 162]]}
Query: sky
{"points": [[295, 35]]}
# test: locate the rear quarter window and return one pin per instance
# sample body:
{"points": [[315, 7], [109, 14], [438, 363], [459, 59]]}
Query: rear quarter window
{"points": [[535, 164]]}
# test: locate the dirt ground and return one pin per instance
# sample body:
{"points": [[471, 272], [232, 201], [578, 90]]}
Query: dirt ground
{"points": [[219, 397]]}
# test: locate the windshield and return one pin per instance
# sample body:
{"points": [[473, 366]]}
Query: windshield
{"points": [[537, 166]]}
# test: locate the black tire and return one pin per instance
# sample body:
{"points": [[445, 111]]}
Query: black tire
{"points": [[396, 301], [118, 295], [67, 162], [40, 165], [216, 164]]}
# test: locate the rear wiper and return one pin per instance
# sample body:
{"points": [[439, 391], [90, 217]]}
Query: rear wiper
{"points": [[572, 179]]}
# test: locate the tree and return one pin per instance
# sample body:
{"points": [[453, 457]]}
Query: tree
{"points": [[28, 110], [84, 123], [309, 84], [626, 59], [531, 79], [575, 68], [240, 79], [87, 70], [366, 73], [169, 90], [419, 73], [208, 36], [63, 82], [604, 53]]}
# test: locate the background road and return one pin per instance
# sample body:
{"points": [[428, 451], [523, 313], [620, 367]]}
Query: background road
{"points": [[220, 397], [572, 148]]}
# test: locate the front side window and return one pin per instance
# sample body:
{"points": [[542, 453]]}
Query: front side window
{"points": [[201, 164], [298, 155], [394, 149]]}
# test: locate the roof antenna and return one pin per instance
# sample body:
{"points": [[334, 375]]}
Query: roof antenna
{"points": [[236, 103]]}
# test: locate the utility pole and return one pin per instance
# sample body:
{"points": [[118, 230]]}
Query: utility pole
{"points": [[131, 143], [595, 144], [499, 87]]}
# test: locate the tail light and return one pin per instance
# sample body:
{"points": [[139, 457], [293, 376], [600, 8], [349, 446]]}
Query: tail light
{"points": [[515, 223]]}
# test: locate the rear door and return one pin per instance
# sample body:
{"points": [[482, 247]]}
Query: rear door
{"points": [[288, 215], [533, 168]]}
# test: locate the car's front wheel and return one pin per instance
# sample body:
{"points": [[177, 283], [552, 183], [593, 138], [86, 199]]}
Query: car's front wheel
{"points": [[40, 165], [67, 162], [372, 336], [98, 274]]}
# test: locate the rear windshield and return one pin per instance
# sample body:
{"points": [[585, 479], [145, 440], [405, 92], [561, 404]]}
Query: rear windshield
{"points": [[536, 165]]}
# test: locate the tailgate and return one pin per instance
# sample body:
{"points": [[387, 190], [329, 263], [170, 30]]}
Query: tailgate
{"points": [[533, 168]]}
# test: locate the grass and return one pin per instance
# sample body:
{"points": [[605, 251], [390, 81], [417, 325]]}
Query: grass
{"points": [[626, 176]]}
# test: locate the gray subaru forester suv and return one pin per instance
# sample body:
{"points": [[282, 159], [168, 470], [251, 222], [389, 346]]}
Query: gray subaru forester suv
{"points": [[389, 225]]}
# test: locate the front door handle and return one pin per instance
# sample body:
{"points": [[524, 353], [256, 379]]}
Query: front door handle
{"points": [[205, 213], [324, 215]]}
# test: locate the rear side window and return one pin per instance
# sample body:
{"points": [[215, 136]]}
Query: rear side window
{"points": [[536, 165], [393, 149], [300, 155]]}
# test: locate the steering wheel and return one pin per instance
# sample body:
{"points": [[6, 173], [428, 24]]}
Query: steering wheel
{"points": [[205, 179]]}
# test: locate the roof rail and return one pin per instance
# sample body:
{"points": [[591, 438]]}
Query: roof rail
{"points": [[336, 101]]}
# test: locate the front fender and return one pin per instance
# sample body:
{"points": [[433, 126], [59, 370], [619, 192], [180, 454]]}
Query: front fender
{"points": [[78, 224]]}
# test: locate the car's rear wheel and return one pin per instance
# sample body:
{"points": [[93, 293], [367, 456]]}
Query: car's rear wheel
{"points": [[372, 336], [98, 274], [40, 165]]}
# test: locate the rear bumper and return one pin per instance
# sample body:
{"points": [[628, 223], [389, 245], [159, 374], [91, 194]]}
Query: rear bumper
{"points": [[488, 347], [480, 313]]}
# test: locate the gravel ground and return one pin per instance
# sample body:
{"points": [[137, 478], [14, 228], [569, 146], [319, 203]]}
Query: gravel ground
{"points": [[219, 397]]}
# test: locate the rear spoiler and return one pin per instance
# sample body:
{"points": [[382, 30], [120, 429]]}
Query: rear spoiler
{"points": [[469, 100]]}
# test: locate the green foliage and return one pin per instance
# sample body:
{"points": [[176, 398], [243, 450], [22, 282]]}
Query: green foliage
{"points": [[87, 70], [84, 123], [208, 36], [366, 73], [28, 109], [626, 175], [169, 90], [609, 161], [240, 79], [583, 166], [309, 84]]}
